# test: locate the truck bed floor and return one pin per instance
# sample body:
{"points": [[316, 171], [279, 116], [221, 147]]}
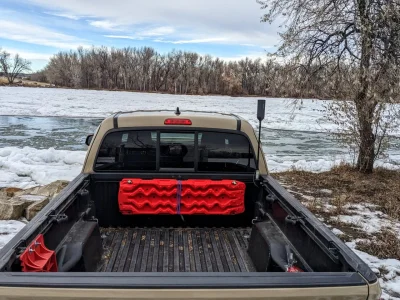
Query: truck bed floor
{"points": [[175, 250]]}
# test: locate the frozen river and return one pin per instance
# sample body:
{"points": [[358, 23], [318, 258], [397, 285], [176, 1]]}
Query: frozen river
{"points": [[42, 131]]}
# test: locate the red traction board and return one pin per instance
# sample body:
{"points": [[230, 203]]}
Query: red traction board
{"points": [[186, 197]]}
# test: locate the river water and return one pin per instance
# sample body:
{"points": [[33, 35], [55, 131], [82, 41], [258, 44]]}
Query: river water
{"points": [[280, 146]]}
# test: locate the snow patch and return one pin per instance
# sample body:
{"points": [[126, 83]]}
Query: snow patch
{"points": [[326, 191], [389, 282], [28, 167], [337, 231], [282, 164], [32, 197], [8, 229], [369, 221]]}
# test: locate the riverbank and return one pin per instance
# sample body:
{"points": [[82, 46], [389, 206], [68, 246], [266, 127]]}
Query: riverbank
{"points": [[24, 83], [30, 83]]}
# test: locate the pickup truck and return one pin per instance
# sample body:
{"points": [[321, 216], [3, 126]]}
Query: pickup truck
{"points": [[179, 205]]}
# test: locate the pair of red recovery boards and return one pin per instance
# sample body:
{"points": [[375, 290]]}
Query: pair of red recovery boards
{"points": [[182, 197]]}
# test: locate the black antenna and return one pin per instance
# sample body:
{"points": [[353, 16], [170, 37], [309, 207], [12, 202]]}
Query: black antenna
{"points": [[177, 112], [260, 117]]}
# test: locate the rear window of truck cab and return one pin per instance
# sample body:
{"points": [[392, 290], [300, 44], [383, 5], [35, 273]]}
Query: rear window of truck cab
{"points": [[168, 151]]}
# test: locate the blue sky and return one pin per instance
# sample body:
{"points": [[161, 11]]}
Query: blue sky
{"points": [[36, 29]]}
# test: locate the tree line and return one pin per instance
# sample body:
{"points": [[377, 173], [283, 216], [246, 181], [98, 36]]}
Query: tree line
{"points": [[180, 72]]}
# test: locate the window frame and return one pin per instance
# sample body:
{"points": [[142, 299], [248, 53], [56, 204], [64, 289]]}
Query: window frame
{"points": [[174, 129]]}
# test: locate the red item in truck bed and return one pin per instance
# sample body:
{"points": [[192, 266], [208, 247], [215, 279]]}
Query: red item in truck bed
{"points": [[37, 258], [138, 196], [186, 197]]}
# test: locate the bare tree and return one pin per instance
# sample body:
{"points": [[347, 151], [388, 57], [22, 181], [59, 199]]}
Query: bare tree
{"points": [[12, 67], [362, 35], [176, 72]]}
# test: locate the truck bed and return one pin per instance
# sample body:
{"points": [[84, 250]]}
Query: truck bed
{"points": [[175, 250]]}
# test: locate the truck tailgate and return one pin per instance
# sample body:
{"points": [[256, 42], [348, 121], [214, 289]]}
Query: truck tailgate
{"points": [[335, 293]]}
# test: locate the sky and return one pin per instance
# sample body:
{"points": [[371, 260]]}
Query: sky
{"points": [[37, 29]]}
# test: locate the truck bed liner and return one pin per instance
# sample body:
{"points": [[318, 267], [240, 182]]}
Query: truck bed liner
{"points": [[175, 250]]}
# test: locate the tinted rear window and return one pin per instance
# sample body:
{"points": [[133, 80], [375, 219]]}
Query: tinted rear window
{"points": [[128, 150], [200, 151], [176, 150], [224, 151]]}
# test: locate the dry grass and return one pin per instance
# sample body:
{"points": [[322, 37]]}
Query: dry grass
{"points": [[24, 82], [349, 186], [339, 202], [385, 244]]}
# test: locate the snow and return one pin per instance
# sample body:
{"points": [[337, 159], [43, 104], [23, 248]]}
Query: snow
{"points": [[32, 197], [280, 113], [326, 191], [284, 163], [29, 167], [390, 282], [8, 229], [366, 218], [337, 231]]}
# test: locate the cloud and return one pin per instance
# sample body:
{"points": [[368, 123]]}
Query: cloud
{"points": [[28, 54], [251, 55], [263, 55], [238, 22], [145, 33], [104, 24], [194, 41], [33, 34], [62, 15], [124, 37], [158, 31]]}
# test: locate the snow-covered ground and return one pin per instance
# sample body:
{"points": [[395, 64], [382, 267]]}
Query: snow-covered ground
{"points": [[26, 167], [390, 279], [29, 167], [367, 220], [9, 228]]}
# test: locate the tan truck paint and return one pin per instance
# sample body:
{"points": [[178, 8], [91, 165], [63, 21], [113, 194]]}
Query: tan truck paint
{"points": [[375, 291], [337, 293]]}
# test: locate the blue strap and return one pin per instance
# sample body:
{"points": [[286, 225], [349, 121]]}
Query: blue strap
{"points": [[178, 197]]}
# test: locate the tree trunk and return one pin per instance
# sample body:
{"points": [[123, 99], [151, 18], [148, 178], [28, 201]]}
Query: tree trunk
{"points": [[365, 108], [366, 154]]}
